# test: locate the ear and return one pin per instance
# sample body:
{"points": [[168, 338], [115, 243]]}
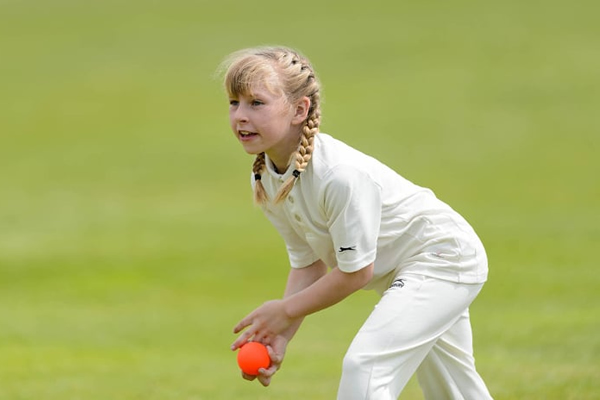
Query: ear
{"points": [[301, 111]]}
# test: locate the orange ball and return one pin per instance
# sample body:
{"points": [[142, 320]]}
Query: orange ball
{"points": [[252, 356]]}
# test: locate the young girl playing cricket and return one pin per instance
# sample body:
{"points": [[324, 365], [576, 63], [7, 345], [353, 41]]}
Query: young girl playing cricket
{"points": [[339, 208]]}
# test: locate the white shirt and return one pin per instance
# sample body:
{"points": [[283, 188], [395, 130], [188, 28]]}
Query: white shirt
{"points": [[350, 210]]}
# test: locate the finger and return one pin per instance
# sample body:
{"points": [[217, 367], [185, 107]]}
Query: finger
{"points": [[242, 339], [246, 321], [248, 377], [267, 372], [264, 380], [275, 357], [266, 340]]}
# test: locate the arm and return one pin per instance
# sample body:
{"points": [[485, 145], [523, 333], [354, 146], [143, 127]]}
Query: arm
{"points": [[327, 291], [283, 317], [298, 280]]}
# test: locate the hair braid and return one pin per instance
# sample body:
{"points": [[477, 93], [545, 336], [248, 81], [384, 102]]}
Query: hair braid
{"points": [[260, 194], [304, 152]]}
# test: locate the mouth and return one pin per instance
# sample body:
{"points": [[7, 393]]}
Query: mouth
{"points": [[246, 135]]}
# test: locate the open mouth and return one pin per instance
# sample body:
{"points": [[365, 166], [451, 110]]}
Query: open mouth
{"points": [[246, 134]]}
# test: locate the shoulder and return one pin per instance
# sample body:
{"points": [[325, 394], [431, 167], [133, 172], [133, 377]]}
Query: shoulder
{"points": [[338, 161], [326, 143], [332, 156], [341, 172]]}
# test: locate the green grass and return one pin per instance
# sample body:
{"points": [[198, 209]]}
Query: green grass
{"points": [[129, 246]]}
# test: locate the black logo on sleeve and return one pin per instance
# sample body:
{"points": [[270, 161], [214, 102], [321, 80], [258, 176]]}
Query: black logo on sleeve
{"points": [[342, 249]]}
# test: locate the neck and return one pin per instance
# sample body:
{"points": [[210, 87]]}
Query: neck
{"points": [[279, 167], [282, 158]]}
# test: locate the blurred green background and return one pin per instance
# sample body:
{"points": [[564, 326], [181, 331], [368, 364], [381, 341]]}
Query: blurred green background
{"points": [[129, 245]]}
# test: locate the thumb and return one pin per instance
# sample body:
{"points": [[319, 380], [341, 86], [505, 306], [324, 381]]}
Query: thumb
{"points": [[276, 358]]}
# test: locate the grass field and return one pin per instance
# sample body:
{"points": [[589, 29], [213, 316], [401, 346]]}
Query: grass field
{"points": [[129, 246]]}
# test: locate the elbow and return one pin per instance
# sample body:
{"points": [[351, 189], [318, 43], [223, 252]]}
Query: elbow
{"points": [[364, 276]]}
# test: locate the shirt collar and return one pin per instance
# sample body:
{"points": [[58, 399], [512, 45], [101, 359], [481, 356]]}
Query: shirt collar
{"points": [[271, 170]]}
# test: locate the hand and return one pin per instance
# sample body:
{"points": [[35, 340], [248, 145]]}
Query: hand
{"points": [[265, 322], [276, 352]]}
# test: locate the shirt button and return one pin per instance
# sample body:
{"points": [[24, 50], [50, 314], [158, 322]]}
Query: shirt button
{"points": [[297, 217], [291, 199]]}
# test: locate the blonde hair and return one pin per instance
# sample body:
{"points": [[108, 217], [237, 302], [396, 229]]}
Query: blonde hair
{"points": [[283, 71]]}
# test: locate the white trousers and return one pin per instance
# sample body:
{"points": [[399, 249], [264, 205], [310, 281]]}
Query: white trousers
{"points": [[421, 325]]}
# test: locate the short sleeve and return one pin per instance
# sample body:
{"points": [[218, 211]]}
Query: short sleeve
{"points": [[352, 202]]}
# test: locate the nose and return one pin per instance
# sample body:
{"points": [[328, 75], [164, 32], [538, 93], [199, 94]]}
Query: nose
{"points": [[239, 115]]}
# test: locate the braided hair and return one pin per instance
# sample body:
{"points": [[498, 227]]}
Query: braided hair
{"points": [[283, 70]]}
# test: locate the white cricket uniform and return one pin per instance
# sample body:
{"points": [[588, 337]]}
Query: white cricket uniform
{"points": [[350, 210]]}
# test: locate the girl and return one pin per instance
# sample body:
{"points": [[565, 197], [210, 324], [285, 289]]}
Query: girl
{"points": [[339, 208]]}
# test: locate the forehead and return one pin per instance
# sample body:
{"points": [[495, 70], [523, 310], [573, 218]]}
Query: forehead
{"points": [[259, 88], [251, 75], [258, 91]]}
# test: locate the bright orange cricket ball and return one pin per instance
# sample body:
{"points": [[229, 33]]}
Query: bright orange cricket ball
{"points": [[252, 356]]}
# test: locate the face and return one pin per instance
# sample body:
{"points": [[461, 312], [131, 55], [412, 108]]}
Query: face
{"points": [[265, 122]]}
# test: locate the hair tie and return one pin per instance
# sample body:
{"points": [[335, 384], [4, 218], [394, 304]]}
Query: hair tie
{"points": [[296, 173], [257, 177]]}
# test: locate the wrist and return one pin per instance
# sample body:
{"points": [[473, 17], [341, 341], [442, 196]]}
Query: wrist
{"points": [[288, 308]]}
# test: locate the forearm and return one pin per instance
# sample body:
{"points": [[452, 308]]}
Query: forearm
{"points": [[298, 280], [283, 317], [326, 291]]}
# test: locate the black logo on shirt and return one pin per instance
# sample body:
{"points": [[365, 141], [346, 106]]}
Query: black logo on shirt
{"points": [[342, 249], [398, 283]]}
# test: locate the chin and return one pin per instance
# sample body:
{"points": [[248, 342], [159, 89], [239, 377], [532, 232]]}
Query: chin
{"points": [[252, 151]]}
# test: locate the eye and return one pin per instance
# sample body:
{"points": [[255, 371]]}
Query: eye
{"points": [[257, 103], [233, 102]]}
